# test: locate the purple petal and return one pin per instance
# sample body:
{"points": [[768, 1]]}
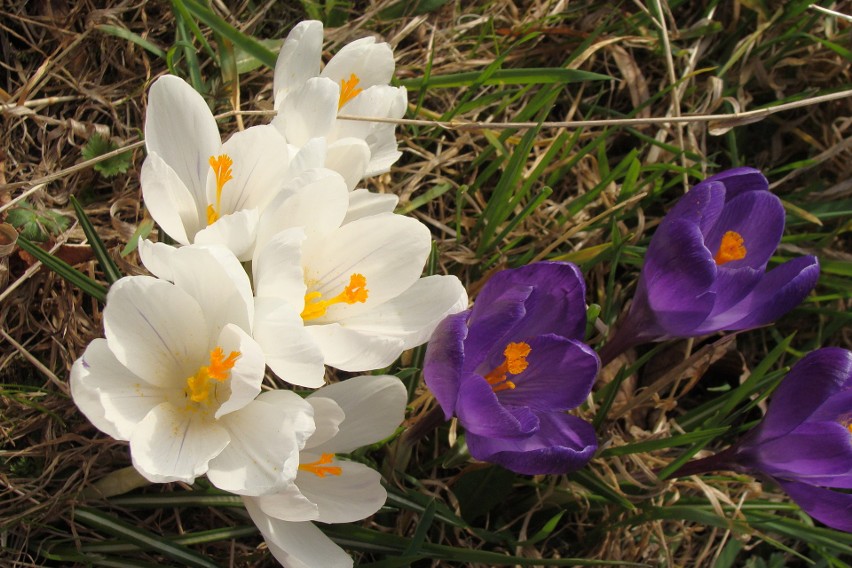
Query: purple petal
{"points": [[830, 507], [701, 206], [490, 322], [480, 412], [819, 452], [782, 289], [556, 303], [563, 443], [560, 375], [738, 181], [442, 367], [812, 381], [758, 217], [732, 286]]}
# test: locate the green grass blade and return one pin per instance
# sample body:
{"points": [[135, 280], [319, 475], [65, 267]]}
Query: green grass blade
{"points": [[529, 76], [111, 271], [65, 270], [245, 42]]}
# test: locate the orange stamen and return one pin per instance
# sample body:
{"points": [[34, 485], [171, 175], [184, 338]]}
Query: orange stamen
{"points": [[355, 291], [221, 165], [731, 248], [515, 363], [319, 467], [198, 385], [348, 90]]}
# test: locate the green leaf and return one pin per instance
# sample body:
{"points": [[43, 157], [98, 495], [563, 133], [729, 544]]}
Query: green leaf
{"points": [[38, 226], [98, 146], [481, 490]]}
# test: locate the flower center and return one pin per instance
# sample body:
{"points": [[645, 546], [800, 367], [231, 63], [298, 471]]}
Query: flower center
{"points": [[731, 248], [514, 363], [355, 291], [348, 90], [219, 370], [319, 467], [221, 165]]}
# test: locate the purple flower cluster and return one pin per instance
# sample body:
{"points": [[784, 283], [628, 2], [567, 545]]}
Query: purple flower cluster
{"points": [[511, 366], [804, 443]]}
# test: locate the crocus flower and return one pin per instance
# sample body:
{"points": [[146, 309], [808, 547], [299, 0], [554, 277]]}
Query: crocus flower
{"points": [[510, 366], [356, 412], [705, 269], [178, 376], [200, 190], [354, 82], [804, 442]]}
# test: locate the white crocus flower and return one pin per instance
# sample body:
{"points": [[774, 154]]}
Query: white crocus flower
{"points": [[178, 376], [356, 284], [356, 412], [354, 82], [198, 189]]}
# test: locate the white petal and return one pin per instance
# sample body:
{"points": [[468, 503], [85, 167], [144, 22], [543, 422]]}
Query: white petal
{"points": [[371, 62], [354, 351], [180, 128], [171, 444], [235, 231], [388, 250], [266, 437], [297, 545], [310, 156], [327, 415], [112, 398], [316, 201], [157, 258], [353, 495], [156, 330], [349, 157], [260, 162], [277, 266], [308, 111], [299, 58], [374, 407], [288, 504], [289, 349], [379, 101], [413, 315], [168, 200], [247, 372], [364, 203], [216, 279]]}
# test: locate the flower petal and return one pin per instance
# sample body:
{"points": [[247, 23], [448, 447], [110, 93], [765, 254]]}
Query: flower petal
{"points": [[389, 250], [414, 314], [277, 269], [349, 157], [351, 496], [180, 128], [364, 203], [373, 406], [246, 375], [560, 375], [779, 291], [371, 62], [288, 504], [351, 350], [299, 58], [266, 437], [327, 416], [235, 231], [156, 330], [830, 507], [481, 412], [290, 350], [297, 545], [818, 453], [170, 202], [758, 217], [308, 111], [738, 181], [172, 445], [157, 258], [445, 355], [564, 443]]}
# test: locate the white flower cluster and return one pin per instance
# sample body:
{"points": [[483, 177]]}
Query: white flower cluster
{"points": [[282, 265]]}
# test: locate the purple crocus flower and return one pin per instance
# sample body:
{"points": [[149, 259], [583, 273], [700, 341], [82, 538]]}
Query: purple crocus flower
{"points": [[804, 442], [510, 366], [705, 269]]}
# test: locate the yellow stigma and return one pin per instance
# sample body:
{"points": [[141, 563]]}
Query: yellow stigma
{"points": [[731, 248], [515, 363], [348, 90], [355, 291], [198, 385], [319, 467], [221, 165]]}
